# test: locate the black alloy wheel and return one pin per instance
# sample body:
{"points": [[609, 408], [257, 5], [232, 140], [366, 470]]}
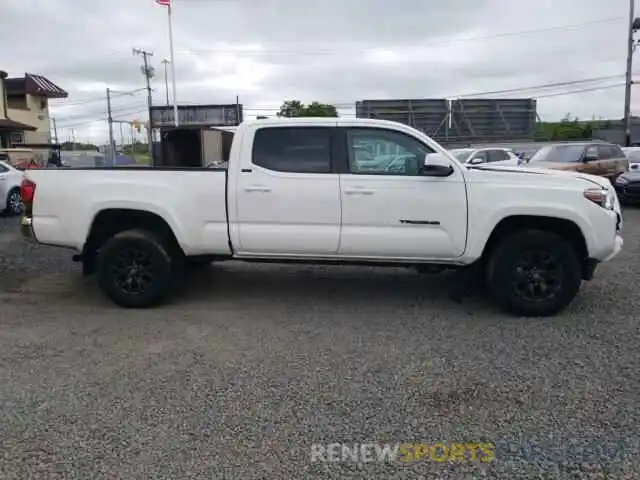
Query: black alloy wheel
{"points": [[132, 271], [534, 273], [14, 202], [539, 275], [135, 269]]}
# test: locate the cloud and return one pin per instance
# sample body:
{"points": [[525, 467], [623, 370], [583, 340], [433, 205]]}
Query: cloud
{"points": [[330, 50]]}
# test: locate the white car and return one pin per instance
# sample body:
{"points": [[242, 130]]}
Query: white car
{"points": [[294, 191], [10, 179], [633, 154], [493, 155]]}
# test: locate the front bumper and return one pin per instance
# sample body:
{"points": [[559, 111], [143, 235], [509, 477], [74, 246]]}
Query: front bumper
{"points": [[619, 242]]}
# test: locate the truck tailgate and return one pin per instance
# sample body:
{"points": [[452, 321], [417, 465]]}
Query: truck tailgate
{"points": [[191, 201]]}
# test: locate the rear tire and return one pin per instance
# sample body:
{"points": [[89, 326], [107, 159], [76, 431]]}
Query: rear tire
{"points": [[534, 273], [13, 202], [135, 269]]}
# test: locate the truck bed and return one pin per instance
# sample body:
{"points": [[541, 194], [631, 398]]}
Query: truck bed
{"points": [[194, 198]]}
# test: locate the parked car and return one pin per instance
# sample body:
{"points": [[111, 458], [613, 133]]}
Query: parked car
{"points": [[10, 179], [633, 155], [291, 193], [19, 158], [493, 155], [627, 187], [596, 158]]}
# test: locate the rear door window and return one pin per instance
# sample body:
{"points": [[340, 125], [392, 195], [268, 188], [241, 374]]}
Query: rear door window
{"points": [[293, 149], [605, 152]]}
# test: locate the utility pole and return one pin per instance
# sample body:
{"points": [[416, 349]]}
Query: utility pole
{"points": [[629, 80], [165, 62], [73, 138], [147, 71], [133, 140], [55, 130], [110, 151]]}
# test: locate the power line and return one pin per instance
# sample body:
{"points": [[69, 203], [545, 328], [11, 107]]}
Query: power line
{"points": [[266, 52], [99, 98], [79, 121], [134, 108], [583, 90], [565, 83]]}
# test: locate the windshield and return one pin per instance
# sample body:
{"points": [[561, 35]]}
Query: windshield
{"points": [[559, 153], [633, 154], [461, 155]]}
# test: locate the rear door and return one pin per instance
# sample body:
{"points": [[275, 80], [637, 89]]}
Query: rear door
{"points": [[287, 197], [621, 160], [608, 161]]}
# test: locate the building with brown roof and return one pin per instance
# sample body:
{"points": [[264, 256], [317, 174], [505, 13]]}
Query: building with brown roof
{"points": [[28, 103], [11, 131]]}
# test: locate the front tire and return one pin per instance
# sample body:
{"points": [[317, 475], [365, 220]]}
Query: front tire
{"points": [[135, 269], [534, 273]]}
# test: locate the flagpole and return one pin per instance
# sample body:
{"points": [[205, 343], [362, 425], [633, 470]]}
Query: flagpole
{"points": [[173, 67]]}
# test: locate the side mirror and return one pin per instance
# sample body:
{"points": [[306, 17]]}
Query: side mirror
{"points": [[476, 161], [436, 166]]}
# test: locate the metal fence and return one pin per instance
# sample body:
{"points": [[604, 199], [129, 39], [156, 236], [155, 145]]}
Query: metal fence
{"points": [[83, 159], [459, 121]]}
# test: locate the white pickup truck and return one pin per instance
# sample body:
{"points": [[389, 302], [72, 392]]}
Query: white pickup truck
{"points": [[330, 191]]}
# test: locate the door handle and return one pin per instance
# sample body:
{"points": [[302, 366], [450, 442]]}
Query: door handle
{"points": [[257, 188], [359, 191], [2, 179]]}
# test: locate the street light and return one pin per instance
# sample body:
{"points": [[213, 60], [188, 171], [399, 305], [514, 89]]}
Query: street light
{"points": [[166, 62]]}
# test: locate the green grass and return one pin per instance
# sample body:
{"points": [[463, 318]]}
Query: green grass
{"points": [[142, 159]]}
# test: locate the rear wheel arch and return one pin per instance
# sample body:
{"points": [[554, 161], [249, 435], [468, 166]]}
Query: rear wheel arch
{"points": [[109, 222]]}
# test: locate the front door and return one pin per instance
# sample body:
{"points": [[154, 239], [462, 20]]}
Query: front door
{"points": [[390, 210], [287, 198]]}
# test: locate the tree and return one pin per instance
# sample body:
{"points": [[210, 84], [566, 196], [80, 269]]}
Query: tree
{"points": [[295, 108]]}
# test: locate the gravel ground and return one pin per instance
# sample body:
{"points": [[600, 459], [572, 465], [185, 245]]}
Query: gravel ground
{"points": [[251, 365]]}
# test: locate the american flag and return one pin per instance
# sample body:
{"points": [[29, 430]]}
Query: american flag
{"points": [[164, 3]]}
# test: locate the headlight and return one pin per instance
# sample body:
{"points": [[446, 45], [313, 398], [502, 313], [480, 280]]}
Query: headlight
{"points": [[610, 200], [604, 197]]}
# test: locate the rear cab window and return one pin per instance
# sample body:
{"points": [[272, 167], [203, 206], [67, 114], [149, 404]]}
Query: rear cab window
{"points": [[293, 149]]}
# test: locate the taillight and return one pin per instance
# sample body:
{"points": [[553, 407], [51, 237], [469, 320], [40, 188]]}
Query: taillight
{"points": [[27, 191]]}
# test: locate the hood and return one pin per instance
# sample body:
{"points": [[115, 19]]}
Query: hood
{"points": [[631, 176], [547, 171]]}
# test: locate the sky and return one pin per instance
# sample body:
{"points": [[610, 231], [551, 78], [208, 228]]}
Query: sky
{"points": [[331, 51]]}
